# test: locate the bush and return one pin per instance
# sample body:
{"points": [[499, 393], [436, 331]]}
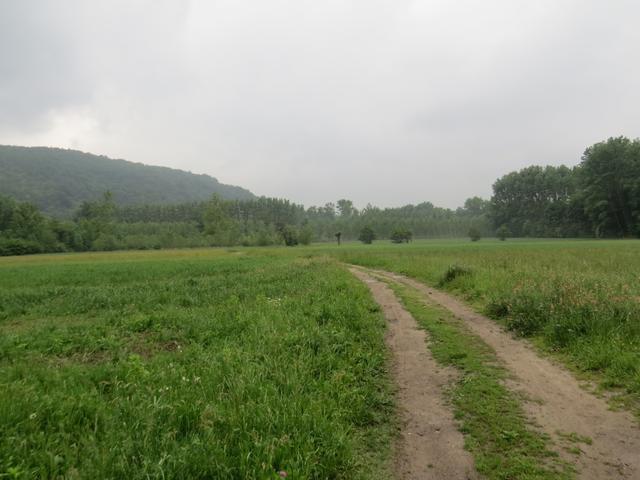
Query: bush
{"points": [[305, 235], [401, 235], [289, 235], [367, 235], [16, 246], [503, 232], [474, 234], [105, 242]]}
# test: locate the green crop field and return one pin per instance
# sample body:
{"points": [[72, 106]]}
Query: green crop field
{"points": [[252, 362]]}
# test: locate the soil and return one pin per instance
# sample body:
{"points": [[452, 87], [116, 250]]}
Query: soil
{"points": [[429, 445], [608, 441]]}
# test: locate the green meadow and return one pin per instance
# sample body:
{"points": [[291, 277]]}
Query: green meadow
{"points": [[261, 362], [190, 364]]}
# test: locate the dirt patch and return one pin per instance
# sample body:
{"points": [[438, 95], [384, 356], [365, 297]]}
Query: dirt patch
{"points": [[430, 445], [601, 443]]}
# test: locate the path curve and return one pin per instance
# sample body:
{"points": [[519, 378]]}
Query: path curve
{"points": [[555, 400], [430, 445]]}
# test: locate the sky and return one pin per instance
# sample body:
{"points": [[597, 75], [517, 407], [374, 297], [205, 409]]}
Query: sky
{"points": [[388, 102]]}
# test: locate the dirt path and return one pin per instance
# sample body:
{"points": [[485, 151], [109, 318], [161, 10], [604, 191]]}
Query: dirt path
{"points": [[430, 445], [555, 400]]}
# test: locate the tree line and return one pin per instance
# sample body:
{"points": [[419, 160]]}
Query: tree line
{"points": [[598, 198], [103, 225]]}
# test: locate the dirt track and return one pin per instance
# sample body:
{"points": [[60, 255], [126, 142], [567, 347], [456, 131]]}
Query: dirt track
{"points": [[555, 400], [430, 446]]}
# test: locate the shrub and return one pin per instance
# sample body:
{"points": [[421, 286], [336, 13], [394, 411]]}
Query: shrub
{"points": [[401, 235], [16, 246], [289, 235], [503, 232], [474, 234], [367, 235], [305, 235]]}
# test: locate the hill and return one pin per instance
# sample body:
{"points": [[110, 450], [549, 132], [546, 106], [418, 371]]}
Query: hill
{"points": [[59, 180]]}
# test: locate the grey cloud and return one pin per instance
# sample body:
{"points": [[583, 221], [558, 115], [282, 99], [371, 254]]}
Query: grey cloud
{"points": [[386, 102]]}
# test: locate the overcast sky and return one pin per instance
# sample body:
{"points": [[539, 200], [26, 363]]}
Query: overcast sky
{"points": [[388, 102]]}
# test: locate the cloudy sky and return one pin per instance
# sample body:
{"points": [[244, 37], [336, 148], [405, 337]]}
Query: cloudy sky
{"points": [[389, 102]]}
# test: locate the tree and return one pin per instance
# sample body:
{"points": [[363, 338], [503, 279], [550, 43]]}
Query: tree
{"points": [[215, 217], [610, 182], [346, 208], [503, 232], [305, 235], [537, 202], [401, 235], [474, 234], [475, 206], [96, 219], [289, 235], [367, 235]]}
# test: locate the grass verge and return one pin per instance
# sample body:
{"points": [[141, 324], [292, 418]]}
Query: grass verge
{"points": [[496, 431]]}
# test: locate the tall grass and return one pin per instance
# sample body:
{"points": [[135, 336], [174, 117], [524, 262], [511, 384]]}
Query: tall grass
{"points": [[579, 298], [208, 365]]}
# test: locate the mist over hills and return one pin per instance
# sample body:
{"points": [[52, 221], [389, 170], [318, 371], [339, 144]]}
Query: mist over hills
{"points": [[59, 180]]}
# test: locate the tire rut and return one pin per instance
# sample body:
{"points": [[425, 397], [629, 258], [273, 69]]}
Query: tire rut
{"points": [[608, 441], [430, 445]]}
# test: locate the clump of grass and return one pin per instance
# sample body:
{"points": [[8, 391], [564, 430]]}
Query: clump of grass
{"points": [[496, 431], [453, 272]]}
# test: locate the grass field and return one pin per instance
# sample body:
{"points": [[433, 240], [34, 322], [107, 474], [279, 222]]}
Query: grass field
{"points": [[190, 364], [579, 299], [247, 362]]}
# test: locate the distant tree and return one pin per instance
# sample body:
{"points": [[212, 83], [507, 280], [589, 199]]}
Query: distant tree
{"points": [[216, 219], [305, 235], [367, 235], [475, 206], [474, 234], [289, 235], [610, 182], [346, 208], [401, 235], [503, 232], [338, 237], [537, 202], [7, 207], [96, 219]]}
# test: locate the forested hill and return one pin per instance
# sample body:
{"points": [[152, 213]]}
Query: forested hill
{"points": [[58, 180]]}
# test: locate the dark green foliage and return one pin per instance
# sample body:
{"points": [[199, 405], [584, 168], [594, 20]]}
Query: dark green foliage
{"points": [[57, 181], [24, 230], [503, 232], [289, 235], [305, 235], [610, 182], [367, 235], [600, 197], [17, 246], [401, 236], [538, 202], [474, 234]]}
